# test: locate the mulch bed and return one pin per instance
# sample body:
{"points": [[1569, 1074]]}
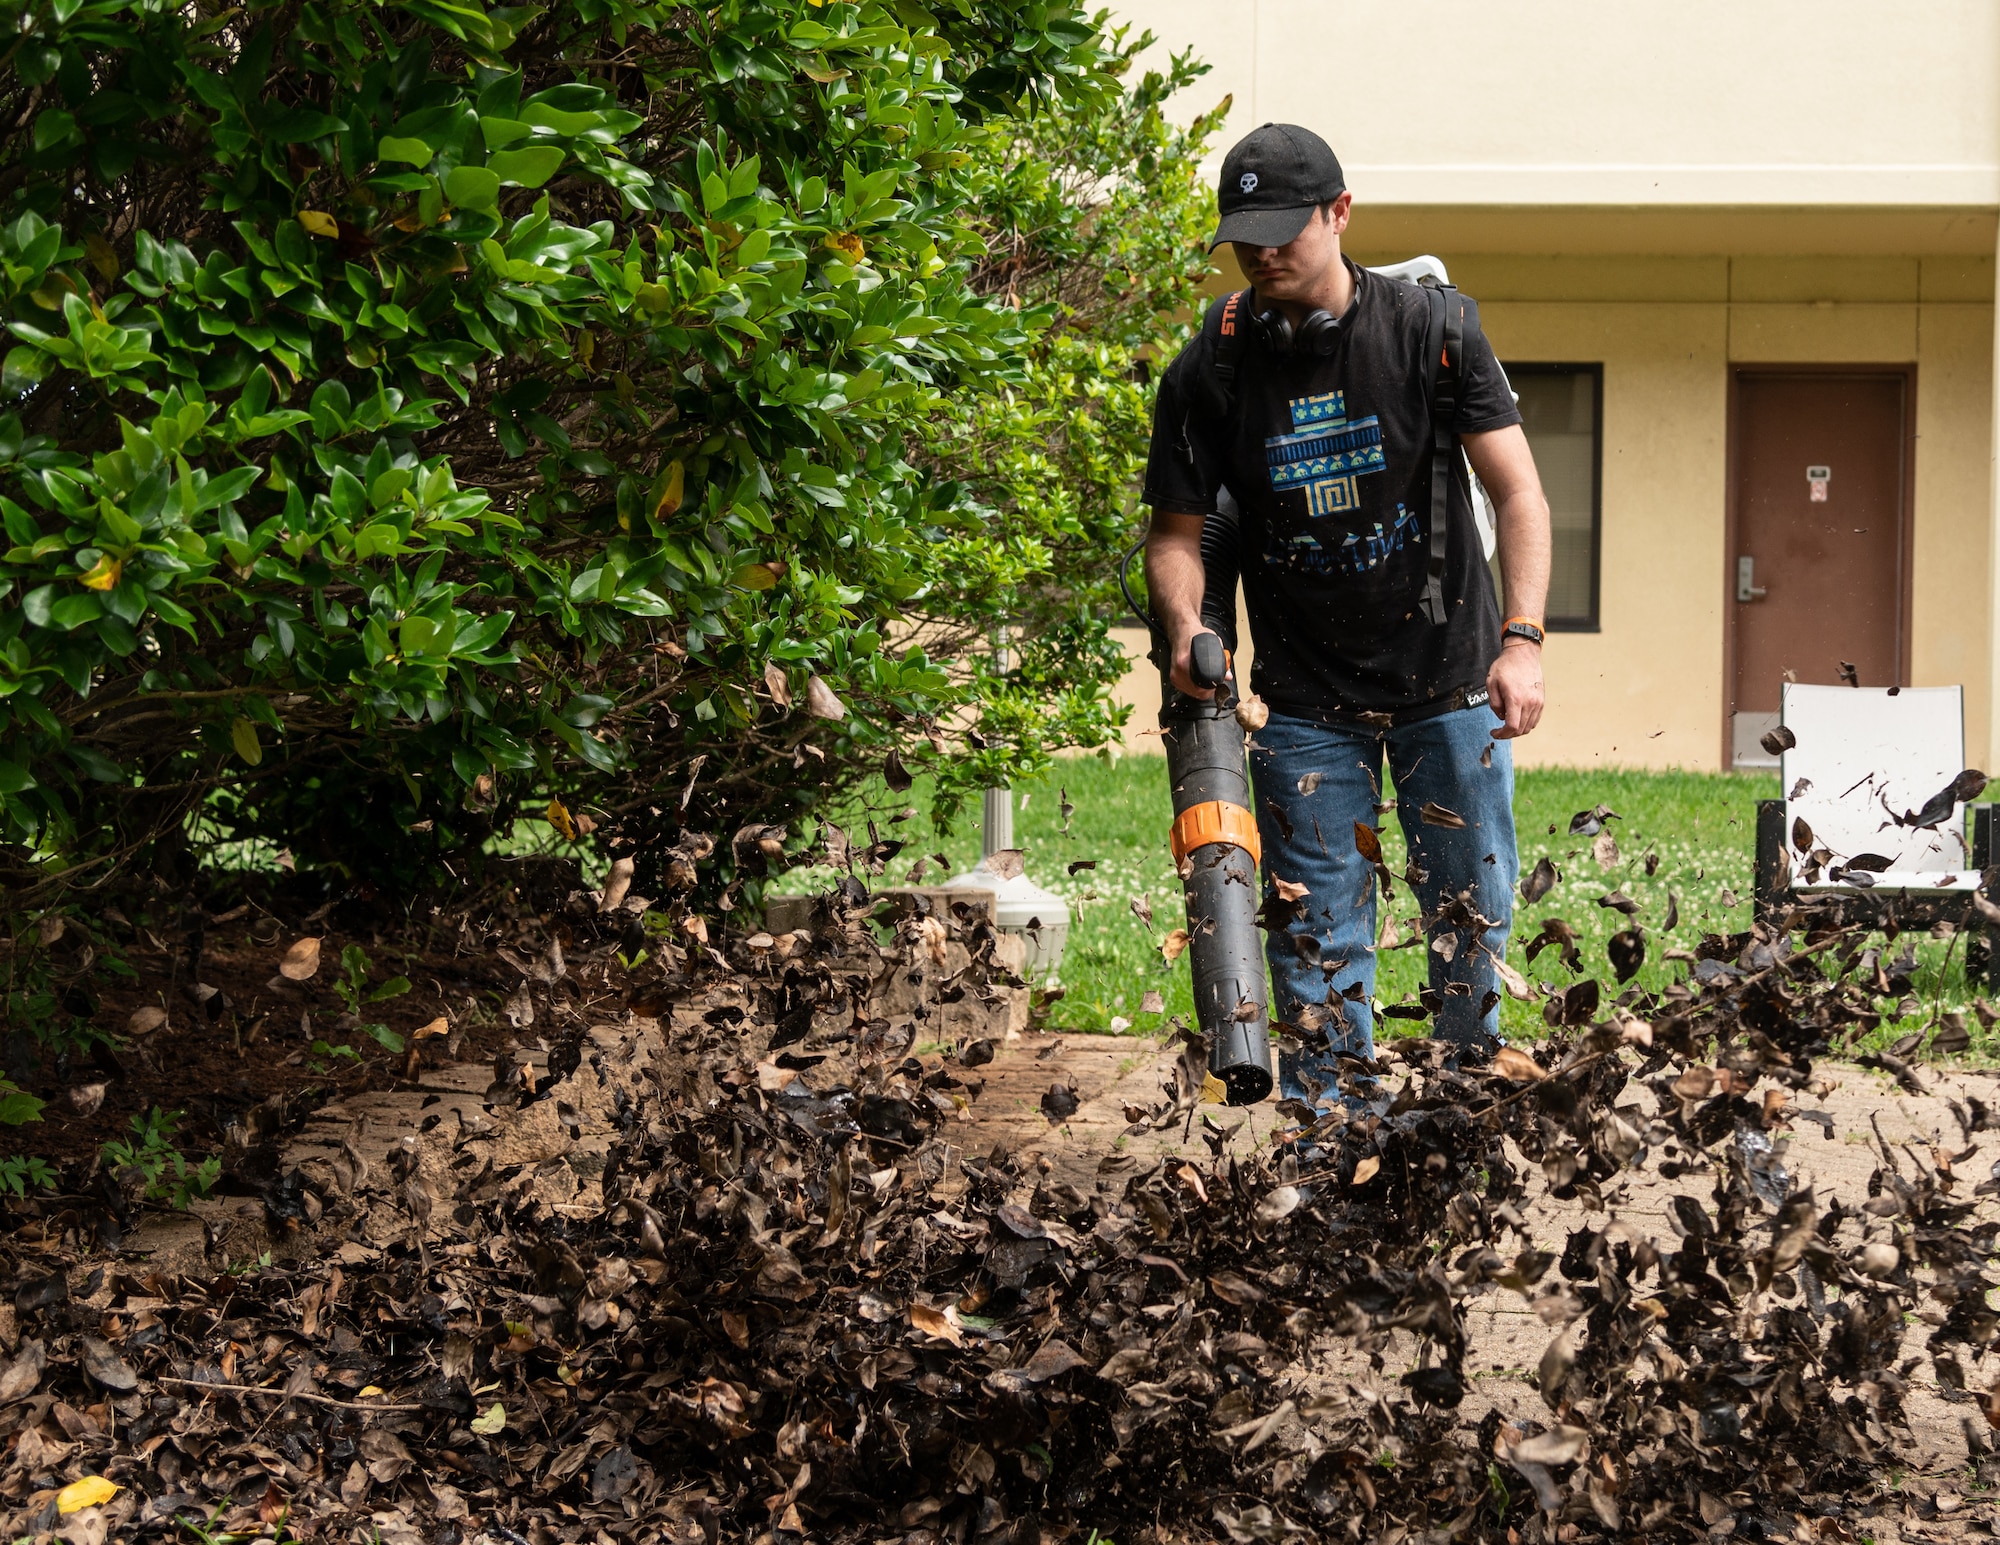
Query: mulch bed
{"points": [[249, 1042]]}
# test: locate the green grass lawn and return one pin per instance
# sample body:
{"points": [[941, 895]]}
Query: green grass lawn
{"points": [[1699, 826]]}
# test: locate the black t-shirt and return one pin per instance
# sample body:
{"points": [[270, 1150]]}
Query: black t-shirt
{"points": [[1329, 461]]}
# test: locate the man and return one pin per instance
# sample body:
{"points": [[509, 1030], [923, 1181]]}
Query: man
{"points": [[1327, 448]]}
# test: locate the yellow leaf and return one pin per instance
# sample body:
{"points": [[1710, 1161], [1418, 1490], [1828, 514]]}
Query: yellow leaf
{"points": [[52, 290], [490, 1423], [671, 491], [88, 1492], [849, 246], [318, 224], [756, 576], [243, 736], [103, 574], [103, 257], [561, 819], [1366, 1170], [1213, 1090], [371, 1389]]}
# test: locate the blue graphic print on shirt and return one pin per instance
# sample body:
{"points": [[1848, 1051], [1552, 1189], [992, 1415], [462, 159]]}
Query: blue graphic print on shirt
{"points": [[1358, 551], [1324, 455]]}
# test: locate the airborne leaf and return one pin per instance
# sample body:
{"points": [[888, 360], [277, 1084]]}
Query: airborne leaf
{"points": [[1005, 864], [1627, 952], [1539, 883], [1517, 1066]]}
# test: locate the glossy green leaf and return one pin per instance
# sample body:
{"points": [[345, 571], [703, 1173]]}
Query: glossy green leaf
{"points": [[414, 151], [473, 187], [528, 168]]}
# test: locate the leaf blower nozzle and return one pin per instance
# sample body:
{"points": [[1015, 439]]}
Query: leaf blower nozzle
{"points": [[1214, 834]]}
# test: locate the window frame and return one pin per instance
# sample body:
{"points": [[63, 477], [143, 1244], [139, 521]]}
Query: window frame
{"points": [[1592, 622]]}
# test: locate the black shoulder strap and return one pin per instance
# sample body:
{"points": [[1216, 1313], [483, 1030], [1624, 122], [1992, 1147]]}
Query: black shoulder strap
{"points": [[1444, 360], [1231, 315], [1212, 393]]}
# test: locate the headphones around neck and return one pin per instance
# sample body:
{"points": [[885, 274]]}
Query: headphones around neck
{"points": [[1318, 335]]}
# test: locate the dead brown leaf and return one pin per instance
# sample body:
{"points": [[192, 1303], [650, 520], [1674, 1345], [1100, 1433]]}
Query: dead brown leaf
{"points": [[301, 961]]}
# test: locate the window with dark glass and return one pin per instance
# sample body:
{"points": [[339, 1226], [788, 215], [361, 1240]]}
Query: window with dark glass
{"points": [[1562, 410]]}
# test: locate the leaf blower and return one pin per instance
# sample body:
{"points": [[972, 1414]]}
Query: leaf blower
{"points": [[1214, 835]]}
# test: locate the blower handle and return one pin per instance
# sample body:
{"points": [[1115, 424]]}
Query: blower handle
{"points": [[1208, 661]]}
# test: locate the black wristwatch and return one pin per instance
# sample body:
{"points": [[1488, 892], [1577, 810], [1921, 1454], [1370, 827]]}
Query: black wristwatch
{"points": [[1521, 627]]}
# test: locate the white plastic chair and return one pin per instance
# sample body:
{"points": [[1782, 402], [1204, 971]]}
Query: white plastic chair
{"points": [[1861, 763], [1864, 755]]}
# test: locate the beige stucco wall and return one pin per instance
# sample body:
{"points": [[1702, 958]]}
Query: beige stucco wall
{"points": [[1541, 102], [1647, 689], [1670, 191]]}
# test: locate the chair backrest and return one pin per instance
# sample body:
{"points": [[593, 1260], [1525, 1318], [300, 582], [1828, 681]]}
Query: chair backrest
{"points": [[1859, 748]]}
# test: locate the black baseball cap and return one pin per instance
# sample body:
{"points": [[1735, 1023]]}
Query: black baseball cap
{"points": [[1272, 180]]}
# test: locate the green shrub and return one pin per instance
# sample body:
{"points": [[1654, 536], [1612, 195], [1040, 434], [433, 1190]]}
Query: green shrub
{"points": [[1096, 222], [415, 412]]}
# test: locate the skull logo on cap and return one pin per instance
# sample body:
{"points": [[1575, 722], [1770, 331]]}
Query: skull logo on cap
{"points": [[1248, 182]]}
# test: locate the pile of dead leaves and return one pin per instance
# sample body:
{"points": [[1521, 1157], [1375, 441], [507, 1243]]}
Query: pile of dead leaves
{"points": [[755, 1291]]}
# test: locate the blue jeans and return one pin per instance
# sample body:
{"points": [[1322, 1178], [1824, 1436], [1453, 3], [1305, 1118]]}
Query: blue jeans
{"points": [[1435, 760]]}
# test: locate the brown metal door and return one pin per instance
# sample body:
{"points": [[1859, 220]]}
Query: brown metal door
{"points": [[1816, 575]]}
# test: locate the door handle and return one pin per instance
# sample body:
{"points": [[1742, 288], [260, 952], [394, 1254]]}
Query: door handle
{"points": [[1747, 588]]}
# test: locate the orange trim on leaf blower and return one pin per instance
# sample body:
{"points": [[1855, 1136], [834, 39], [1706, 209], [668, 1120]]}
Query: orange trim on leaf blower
{"points": [[1216, 821]]}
